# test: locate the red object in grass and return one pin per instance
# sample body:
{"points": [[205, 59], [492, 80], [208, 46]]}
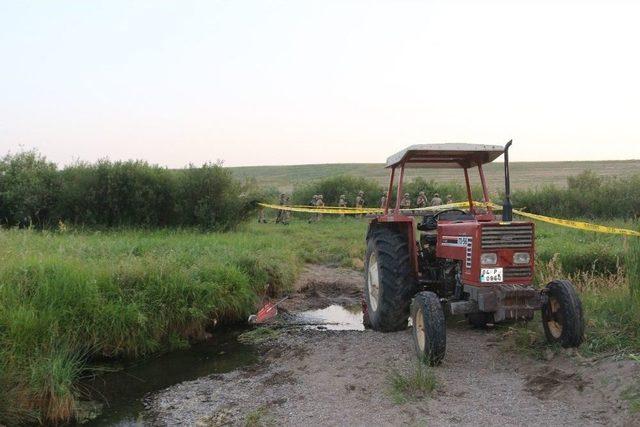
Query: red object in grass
{"points": [[267, 312]]}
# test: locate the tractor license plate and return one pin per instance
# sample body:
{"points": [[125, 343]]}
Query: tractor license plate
{"points": [[491, 275]]}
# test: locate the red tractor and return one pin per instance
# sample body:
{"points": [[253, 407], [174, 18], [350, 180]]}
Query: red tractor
{"points": [[423, 264]]}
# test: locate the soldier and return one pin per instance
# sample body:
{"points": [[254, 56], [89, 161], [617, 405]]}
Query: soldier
{"points": [[436, 201], [287, 213], [360, 202], [261, 218], [405, 203], [280, 216], [319, 204], [383, 200], [342, 203], [449, 199], [313, 201], [421, 201]]}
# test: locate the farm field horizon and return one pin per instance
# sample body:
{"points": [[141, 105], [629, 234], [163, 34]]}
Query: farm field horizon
{"points": [[524, 175]]}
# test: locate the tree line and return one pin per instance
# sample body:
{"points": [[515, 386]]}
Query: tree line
{"points": [[34, 192]]}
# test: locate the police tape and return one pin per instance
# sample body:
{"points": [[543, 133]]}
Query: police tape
{"points": [[345, 210], [580, 225]]}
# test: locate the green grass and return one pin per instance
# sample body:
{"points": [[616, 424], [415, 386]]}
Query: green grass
{"points": [[419, 383], [66, 298], [524, 175]]}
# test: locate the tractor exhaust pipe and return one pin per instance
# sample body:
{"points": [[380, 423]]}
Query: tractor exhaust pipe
{"points": [[507, 208]]}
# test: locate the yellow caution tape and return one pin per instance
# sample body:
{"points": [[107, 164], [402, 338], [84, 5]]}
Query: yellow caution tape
{"points": [[579, 224], [361, 211]]}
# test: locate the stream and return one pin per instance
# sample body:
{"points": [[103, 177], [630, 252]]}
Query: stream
{"points": [[121, 394]]}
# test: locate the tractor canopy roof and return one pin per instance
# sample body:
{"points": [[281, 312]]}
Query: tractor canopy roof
{"points": [[445, 156]]}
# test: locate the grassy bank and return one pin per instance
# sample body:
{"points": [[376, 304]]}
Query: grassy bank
{"points": [[68, 298]]}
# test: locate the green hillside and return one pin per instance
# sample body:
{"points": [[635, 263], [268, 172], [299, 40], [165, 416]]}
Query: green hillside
{"points": [[523, 174]]}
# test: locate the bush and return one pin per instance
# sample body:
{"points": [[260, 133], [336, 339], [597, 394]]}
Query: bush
{"points": [[114, 194], [29, 186], [587, 196], [332, 188]]}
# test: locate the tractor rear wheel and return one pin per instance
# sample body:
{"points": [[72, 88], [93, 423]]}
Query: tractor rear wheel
{"points": [[562, 317], [389, 281], [429, 328]]}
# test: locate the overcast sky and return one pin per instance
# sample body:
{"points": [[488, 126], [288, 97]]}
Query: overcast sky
{"points": [[289, 82]]}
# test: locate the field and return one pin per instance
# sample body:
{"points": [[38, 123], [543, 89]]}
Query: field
{"points": [[524, 175], [69, 298]]}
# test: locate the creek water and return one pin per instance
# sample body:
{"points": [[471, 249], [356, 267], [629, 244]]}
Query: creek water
{"points": [[122, 393], [335, 317]]}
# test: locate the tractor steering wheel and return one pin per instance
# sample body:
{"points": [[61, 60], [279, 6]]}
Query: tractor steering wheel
{"points": [[437, 216]]}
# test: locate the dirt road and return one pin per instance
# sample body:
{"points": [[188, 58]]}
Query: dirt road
{"points": [[325, 377]]}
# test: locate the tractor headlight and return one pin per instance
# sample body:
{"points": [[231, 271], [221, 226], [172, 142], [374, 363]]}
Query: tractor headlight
{"points": [[489, 259], [521, 258]]}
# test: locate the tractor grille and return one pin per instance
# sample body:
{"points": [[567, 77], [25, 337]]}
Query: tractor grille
{"points": [[517, 272], [507, 236]]}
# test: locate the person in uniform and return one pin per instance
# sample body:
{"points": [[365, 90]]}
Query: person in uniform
{"points": [[449, 199], [436, 201], [383, 200], [360, 201], [342, 203], [261, 217], [280, 216], [405, 203], [319, 204], [421, 201], [287, 214]]}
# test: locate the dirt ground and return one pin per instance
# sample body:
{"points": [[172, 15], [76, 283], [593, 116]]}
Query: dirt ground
{"points": [[318, 377]]}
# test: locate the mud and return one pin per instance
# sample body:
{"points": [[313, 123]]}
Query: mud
{"points": [[324, 377]]}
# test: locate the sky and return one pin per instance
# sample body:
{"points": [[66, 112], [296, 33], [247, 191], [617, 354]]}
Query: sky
{"points": [[301, 82]]}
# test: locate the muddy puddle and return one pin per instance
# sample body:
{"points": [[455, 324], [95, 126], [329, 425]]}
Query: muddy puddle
{"points": [[120, 396], [334, 318]]}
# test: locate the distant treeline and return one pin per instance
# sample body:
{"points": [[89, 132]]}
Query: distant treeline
{"points": [[34, 192], [587, 195]]}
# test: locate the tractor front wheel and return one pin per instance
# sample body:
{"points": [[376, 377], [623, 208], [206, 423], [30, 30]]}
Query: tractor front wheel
{"points": [[562, 317], [429, 328]]}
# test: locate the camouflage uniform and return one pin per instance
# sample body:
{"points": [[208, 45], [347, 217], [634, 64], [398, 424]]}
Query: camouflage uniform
{"points": [[383, 200], [287, 213], [360, 202], [449, 199], [319, 204], [421, 201], [261, 218], [436, 201], [342, 203], [405, 203], [280, 216]]}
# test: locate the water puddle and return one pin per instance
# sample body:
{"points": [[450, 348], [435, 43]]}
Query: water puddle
{"points": [[123, 392], [334, 318]]}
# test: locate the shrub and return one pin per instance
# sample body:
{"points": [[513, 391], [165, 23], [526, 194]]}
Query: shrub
{"points": [[587, 196], [29, 186], [114, 194], [332, 188]]}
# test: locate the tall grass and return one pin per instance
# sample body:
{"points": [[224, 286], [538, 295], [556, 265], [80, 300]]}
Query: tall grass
{"points": [[69, 297]]}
